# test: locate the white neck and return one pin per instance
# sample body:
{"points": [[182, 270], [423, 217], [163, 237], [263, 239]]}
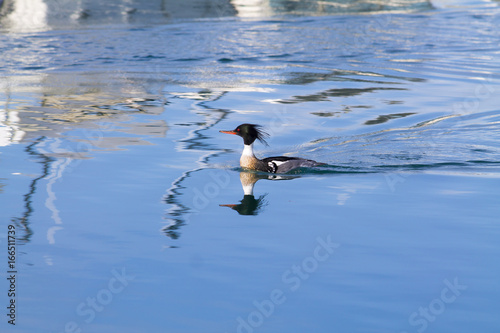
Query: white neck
{"points": [[248, 151]]}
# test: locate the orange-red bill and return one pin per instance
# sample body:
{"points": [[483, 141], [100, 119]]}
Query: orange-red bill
{"points": [[229, 132]]}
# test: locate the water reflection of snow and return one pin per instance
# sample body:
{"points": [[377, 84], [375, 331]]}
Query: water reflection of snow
{"points": [[10, 131], [26, 16]]}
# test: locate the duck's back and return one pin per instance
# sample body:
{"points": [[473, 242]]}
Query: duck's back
{"points": [[283, 164]]}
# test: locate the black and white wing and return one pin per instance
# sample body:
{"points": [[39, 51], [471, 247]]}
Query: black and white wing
{"points": [[283, 164]]}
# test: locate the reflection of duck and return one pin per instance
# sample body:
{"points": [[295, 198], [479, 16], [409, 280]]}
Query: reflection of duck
{"points": [[249, 205], [277, 164]]}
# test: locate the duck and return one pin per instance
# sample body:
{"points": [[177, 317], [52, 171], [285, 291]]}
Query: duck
{"points": [[275, 164]]}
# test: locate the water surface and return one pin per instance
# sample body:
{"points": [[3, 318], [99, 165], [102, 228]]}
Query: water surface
{"points": [[128, 203]]}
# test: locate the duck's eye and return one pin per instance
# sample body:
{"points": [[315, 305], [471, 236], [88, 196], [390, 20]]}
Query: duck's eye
{"points": [[237, 130]]}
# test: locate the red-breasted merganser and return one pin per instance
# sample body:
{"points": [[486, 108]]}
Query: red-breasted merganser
{"points": [[276, 164]]}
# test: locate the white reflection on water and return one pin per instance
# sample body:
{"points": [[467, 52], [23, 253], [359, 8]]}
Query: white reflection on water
{"points": [[56, 171], [27, 16], [10, 132], [42, 15], [268, 8]]}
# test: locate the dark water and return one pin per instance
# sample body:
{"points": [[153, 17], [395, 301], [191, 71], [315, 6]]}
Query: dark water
{"points": [[128, 206]]}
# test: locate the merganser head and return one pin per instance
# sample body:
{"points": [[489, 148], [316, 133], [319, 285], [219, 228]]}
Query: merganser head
{"points": [[249, 132]]}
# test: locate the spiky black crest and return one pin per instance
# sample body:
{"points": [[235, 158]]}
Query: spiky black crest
{"points": [[250, 132]]}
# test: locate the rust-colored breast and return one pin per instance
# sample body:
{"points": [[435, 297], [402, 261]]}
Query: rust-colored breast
{"points": [[248, 162]]}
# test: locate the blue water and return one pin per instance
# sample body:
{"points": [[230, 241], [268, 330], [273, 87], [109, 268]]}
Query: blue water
{"points": [[129, 208]]}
